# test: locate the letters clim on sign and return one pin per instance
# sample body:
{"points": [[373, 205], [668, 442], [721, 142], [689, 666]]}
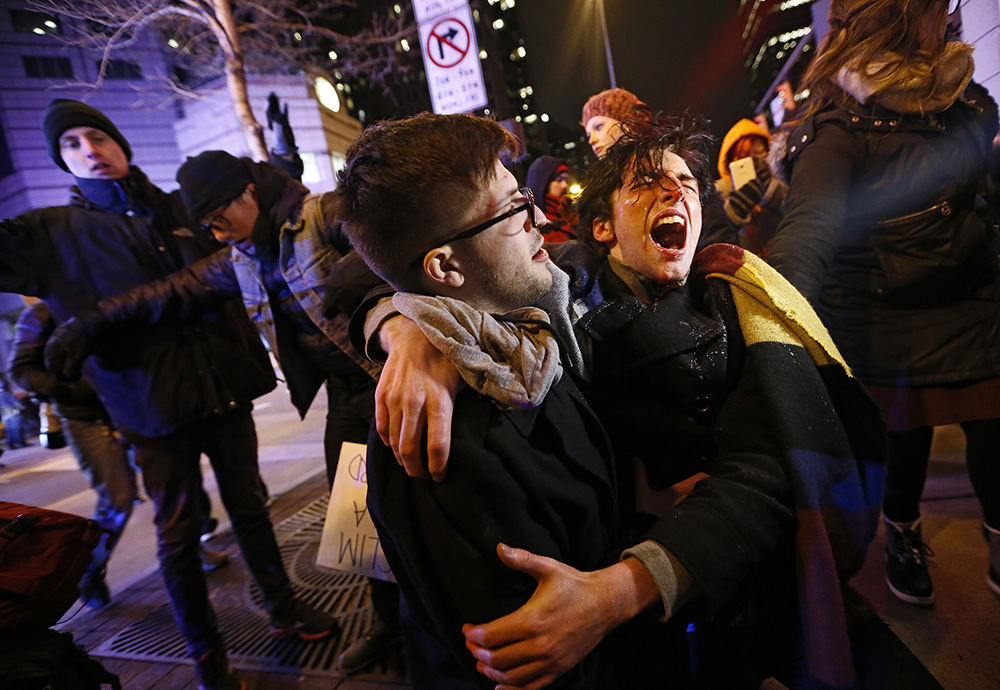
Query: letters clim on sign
{"points": [[451, 62]]}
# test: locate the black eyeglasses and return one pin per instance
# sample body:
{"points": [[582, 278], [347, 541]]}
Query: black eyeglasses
{"points": [[528, 205], [217, 218]]}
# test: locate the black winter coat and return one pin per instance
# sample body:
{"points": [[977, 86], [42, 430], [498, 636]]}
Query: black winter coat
{"points": [[540, 479], [153, 379], [885, 235]]}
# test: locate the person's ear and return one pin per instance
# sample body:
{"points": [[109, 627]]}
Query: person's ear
{"points": [[251, 189], [442, 268], [602, 230]]}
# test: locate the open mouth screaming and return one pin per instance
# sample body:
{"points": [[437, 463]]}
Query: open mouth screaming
{"points": [[670, 232]]}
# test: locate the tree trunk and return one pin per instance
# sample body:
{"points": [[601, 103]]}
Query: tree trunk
{"points": [[236, 82]]}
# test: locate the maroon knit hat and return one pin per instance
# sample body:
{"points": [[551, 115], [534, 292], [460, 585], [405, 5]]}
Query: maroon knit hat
{"points": [[618, 104]]}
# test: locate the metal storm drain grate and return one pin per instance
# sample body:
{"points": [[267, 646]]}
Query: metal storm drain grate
{"points": [[244, 623]]}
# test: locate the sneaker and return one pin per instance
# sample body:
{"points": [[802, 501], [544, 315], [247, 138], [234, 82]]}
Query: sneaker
{"points": [[212, 560], [94, 590], [214, 672], [993, 540], [906, 564], [293, 618], [369, 649]]}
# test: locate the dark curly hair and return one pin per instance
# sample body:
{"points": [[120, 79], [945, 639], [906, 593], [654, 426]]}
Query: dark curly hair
{"points": [[639, 153]]}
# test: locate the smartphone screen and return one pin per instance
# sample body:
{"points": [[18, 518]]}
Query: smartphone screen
{"points": [[742, 171]]}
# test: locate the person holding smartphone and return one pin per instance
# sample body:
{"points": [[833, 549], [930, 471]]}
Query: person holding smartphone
{"points": [[752, 196]]}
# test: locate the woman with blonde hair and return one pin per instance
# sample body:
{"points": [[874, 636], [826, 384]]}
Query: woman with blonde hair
{"points": [[885, 233]]}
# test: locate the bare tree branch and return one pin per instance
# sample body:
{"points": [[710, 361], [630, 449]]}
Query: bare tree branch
{"points": [[230, 39]]}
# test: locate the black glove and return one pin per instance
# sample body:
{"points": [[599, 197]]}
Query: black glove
{"points": [[67, 349], [741, 201]]}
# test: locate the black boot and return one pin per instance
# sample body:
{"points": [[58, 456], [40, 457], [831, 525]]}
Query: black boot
{"points": [[93, 589], [214, 672], [371, 647]]}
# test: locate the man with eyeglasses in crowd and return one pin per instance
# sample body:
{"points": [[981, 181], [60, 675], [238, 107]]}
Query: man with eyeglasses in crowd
{"points": [[175, 389], [286, 251], [530, 464]]}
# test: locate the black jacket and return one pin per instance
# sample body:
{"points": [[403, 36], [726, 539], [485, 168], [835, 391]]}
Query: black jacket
{"points": [[885, 235], [155, 379], [540, 479]]}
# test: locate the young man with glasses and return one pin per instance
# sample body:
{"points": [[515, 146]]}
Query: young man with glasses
{"points": [[428, 204]]}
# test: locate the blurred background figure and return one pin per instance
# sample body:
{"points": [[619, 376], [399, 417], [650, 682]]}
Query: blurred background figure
{"points": [[885, 233], [604, 113], [12, 413], [97, 446], [753, 198], [548, 178], [100, 450]]}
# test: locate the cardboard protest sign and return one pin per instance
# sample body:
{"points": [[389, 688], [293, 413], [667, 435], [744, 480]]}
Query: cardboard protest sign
{"points": [[349, 540]]}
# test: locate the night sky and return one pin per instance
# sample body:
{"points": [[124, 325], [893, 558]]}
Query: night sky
{"points": [[675, 55]]}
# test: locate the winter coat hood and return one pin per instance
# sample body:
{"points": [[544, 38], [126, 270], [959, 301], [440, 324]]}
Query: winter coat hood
{"points": [[539, 174], [743, 128]]}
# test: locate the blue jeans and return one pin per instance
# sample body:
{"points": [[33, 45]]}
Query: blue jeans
{"points": [[172, 477], [101, 454]]}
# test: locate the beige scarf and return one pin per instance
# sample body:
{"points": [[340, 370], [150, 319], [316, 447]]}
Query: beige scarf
{"points": [[904, 90]]}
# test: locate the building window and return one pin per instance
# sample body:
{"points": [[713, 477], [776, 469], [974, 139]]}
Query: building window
{"points": [[310, 170], [26, 22], [121, 69], [43, 67]]}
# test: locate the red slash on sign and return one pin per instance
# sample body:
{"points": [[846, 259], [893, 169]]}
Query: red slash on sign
{"points": [[447, 43]]}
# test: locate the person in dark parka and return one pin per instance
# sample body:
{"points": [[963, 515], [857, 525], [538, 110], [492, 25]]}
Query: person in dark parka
{"points": [[885, 233], [548, 180]]}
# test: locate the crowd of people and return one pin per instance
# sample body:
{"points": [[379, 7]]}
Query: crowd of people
{"points": [[637, 438]]}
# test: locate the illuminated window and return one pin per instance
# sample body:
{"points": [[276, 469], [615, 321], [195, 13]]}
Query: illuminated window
{"points": [[310, 171]]}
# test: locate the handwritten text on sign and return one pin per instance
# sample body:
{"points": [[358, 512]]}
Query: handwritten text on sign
{"points": [[349, 540]]}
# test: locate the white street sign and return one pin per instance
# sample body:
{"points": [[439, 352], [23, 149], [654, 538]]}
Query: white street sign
{"points": [[451, 62], [425, 10]]}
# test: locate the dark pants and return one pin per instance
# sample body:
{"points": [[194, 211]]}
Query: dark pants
{"points": [[909, 453], [102, 456], [172, 477], [349, 412]]}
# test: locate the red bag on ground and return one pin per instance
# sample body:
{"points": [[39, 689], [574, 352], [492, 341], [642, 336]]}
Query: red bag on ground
{"points": [[43, 555]]}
